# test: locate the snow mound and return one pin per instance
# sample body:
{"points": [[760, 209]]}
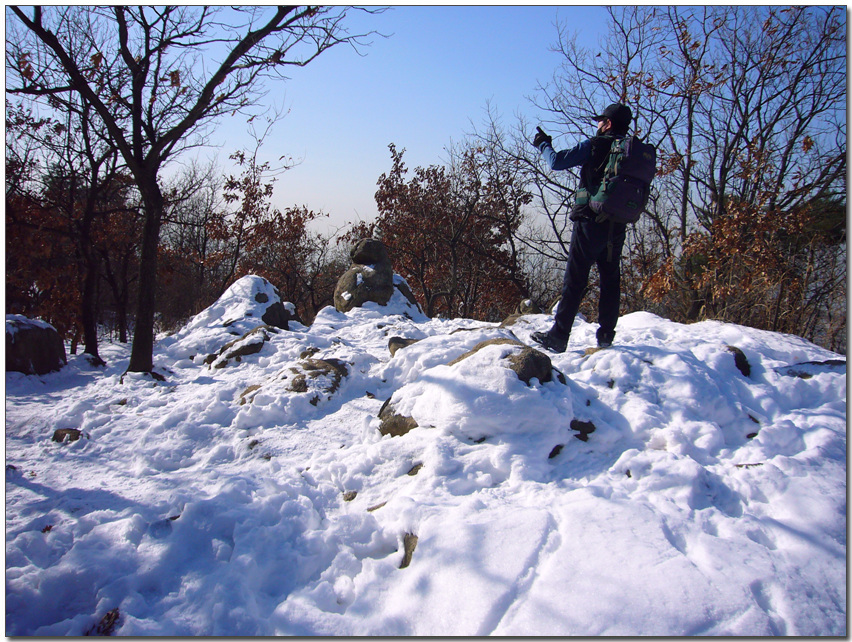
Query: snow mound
{"points": [[658, 491], [444, 397], [239, 310]]}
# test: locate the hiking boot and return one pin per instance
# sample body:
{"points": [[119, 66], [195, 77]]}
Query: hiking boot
{"points": [[605, 338], [547, 340]]}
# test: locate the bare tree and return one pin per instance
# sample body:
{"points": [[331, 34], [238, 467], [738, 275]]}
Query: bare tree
{"points": [[747, 106], [146, 72]]}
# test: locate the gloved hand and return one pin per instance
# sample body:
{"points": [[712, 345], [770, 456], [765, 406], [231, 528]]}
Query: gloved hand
{"points": [[541, 138]]}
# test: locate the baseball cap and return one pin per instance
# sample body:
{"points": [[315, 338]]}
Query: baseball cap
{"points": [[619, 114]]}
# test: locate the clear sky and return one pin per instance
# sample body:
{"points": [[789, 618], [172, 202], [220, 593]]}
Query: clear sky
{"points": [[421, 88]]}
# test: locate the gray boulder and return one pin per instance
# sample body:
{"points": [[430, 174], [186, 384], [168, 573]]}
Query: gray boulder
{"points": [[370, 278], [33, 347]]}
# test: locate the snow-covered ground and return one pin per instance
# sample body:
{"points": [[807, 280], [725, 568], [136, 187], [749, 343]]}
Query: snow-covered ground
{"points": [[221, 501]]}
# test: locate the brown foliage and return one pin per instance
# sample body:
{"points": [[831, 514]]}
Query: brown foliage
{"points": [[42, 275], [762, 268], [448, 231]]}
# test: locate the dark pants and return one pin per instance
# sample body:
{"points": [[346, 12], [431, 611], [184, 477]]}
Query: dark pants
{"points": [[589, 245]]}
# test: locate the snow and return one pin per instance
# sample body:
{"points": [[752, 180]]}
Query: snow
{"points": [[222, 502], [15, 322]]}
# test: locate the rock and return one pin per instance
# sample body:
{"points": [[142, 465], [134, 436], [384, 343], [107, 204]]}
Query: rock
{"points": [[279, 315], [369, 252], [585, 428], [394, 424], [250, 343], [323, 376], [362, 284], [244, 397], [527, 306], [531, 364], [66, 434], [510, 320], [808, 369], [409, 544], [369, 279], [107, 625], [528, 363], [490, 342], [397, 343], [33, 347], [740, 361], [400, 284]]}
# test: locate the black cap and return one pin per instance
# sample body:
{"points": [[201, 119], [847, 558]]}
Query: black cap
{"points": [[619, 114]]}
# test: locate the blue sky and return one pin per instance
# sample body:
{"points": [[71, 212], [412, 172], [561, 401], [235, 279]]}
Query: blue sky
{"points": [[420, 88]]}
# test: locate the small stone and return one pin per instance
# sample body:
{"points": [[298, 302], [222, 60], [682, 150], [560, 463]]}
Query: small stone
{"points": [[66, 434], [107, 624], [740, 361], [394, 424], [409, 544], [585, 428], [398, 343]]}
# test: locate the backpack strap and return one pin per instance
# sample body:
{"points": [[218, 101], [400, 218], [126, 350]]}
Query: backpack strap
{"points": [[607, 171]]}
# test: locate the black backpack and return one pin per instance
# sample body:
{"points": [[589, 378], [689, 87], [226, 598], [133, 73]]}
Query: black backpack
{"points": [[626, 186]]}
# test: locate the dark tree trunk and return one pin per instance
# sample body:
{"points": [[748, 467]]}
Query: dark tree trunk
{"points": [[89, 311], [142, 352]]}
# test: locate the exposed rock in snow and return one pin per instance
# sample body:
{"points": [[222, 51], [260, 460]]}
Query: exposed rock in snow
{"points": [[370, 279], [33, 346], [251, 302]]}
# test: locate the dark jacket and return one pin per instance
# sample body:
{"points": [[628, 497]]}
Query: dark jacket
{"points": [[590, 156]]}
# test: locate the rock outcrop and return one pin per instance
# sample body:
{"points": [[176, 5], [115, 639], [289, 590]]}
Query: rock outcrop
{"points": [[234, 351], [527, 362], [370, 279], [393, 423], [33, 347]]}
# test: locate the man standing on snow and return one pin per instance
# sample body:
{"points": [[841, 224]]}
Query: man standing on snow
{"points": [[593, 240]]}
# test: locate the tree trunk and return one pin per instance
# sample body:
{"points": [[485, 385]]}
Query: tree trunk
{"points": [[122, 321], [142, 352], [89, 313]]}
